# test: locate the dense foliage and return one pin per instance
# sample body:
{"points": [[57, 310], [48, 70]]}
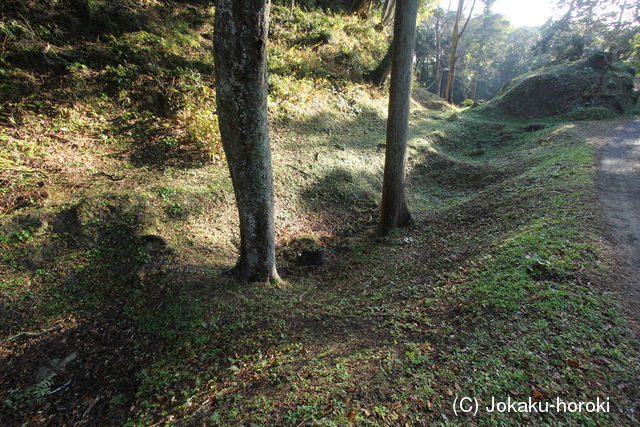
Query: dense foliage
{"points": [[493, 51]]}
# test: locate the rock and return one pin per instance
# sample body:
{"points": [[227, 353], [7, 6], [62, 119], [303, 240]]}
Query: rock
{"points": [[307, 251], [32, 221], [534, 127], [35, 259], [39, 256], [154, 243], [9, 228], [53, 367], [92, 219], [157, 250]]}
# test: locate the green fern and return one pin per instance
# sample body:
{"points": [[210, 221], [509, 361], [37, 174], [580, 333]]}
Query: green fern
{"points": [[30, 395]]}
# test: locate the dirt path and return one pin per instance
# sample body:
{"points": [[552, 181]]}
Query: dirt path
{"points": [[619, 188]]}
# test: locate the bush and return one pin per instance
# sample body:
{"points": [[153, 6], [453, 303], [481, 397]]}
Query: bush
{"points": [[468, 103], [194, 101]]}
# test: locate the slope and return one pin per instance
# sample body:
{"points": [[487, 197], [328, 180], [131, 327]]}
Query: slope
{"points": [[119, 222]]}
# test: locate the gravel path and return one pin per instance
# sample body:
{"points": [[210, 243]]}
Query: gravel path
{"points": [[619, 188]]}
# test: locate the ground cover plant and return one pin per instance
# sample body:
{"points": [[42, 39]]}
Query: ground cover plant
{"points": [[118, 224]]}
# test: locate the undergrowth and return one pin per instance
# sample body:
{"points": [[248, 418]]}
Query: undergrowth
{"points": [[496, 290]]}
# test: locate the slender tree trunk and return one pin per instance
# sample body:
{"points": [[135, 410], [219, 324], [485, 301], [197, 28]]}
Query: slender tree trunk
{"points": [[438, 67], [361, 7], [394, 209], [448, 89], [453, 85], [388, 13], [382, 71], [240, 40], [475, 87], [455, 39]]}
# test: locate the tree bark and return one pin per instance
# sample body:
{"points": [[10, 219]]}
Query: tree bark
{"points": [[240, 40], [394, 209], [382, 71], [438, 66], [475, 87], [388, 13], [455, 39], [361, 7]]}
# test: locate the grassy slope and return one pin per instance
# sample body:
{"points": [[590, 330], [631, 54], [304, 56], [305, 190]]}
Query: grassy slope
{"points": [[498, 289]]}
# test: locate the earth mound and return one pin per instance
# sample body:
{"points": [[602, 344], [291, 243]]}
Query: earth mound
{"points": [[592, 83], [429, 100]]}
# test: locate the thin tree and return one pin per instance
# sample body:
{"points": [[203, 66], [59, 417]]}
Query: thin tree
{"points": [[455, 39], [394, 209], [388, 13], [440, 16], [240, 42], [361, 7], [379, 75]]}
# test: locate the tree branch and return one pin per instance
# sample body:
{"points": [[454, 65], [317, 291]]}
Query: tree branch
{"points": [[468, 19]]}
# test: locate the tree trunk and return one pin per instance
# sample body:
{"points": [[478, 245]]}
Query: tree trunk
{"points": [[240, 41], [438, 66], [437, 89], [394, 209], [438, 69], [382, 71], [361, 7], [448, 89], [388, 13], [475, 87], [455, 39]]}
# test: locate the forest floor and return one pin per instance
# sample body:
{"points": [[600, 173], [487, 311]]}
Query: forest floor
{"points": [[619, 185], [118, 221], [502, 287]]}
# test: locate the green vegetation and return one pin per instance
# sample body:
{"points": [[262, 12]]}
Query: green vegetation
{"points": [[499, 288]]}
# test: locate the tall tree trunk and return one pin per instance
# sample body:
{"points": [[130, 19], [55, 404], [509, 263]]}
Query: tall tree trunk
{"points": [[455, 39], [448, 89], [439, 33], [394, 209], [437, 89], [438, 66], [388, 13], [475, 87], [240, 41], [382, 71]]}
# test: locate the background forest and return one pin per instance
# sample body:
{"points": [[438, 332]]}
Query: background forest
{"points": [[118, 219]]}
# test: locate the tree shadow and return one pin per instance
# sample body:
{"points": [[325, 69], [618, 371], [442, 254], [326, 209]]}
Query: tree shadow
{"points": [[120, 300], [360, 130], [157, 146]]}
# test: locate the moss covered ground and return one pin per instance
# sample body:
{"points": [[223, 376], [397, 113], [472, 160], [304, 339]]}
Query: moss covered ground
{"points": [[499, 289]]}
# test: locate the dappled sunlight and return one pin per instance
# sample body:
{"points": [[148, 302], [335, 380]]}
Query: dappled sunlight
{"points": [[119, 227]]}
